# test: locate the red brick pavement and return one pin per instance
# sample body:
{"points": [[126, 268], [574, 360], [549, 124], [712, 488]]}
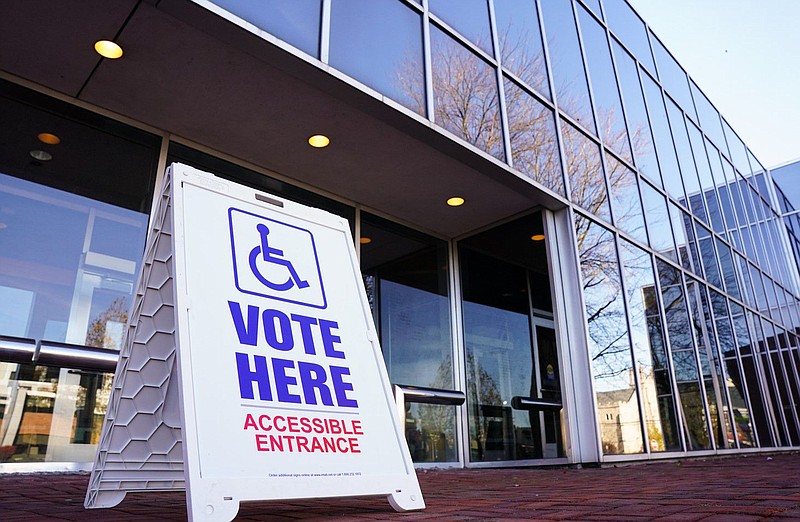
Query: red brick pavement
{"points": [[732, 489]]}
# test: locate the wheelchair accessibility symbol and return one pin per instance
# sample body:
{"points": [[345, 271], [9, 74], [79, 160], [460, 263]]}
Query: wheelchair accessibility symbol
{"points": [[275, 256], [275, 259]]}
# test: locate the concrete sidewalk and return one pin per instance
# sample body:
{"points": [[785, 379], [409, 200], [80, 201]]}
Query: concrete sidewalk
{"points": [[741, 488]]}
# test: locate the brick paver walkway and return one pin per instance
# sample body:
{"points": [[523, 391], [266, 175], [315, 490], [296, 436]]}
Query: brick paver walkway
{"points": [[733, 489]]}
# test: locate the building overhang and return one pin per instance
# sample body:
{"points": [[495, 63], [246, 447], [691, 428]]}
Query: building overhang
{"points": [[206, 80]]}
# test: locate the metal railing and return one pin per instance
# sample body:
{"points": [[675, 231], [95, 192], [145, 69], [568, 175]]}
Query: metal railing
{"points": [[22, 350]]}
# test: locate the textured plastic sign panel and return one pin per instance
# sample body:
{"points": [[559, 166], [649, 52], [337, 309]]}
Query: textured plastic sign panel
{"points": [[283, 389]]}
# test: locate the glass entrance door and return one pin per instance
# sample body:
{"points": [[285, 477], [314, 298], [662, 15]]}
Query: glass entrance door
{"points": [[511, 359]]}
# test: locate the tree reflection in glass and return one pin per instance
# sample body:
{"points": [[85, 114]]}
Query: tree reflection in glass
{"points": [[609, 347], [683, 357], [585, 172], [465, 94], [534, 148], [652, 363]]}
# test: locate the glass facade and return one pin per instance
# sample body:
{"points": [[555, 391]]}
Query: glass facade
{"points": [[666, 246]]}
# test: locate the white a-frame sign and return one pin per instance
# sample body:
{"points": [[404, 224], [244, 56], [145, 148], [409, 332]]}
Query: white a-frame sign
{"points": [[251, 368]]}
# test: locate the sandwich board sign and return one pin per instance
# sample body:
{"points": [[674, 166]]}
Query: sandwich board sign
{"points": [[251, 368]]}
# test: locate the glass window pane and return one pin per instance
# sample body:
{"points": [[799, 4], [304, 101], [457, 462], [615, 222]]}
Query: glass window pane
{"points": [[532, 131], [703, 171], [710, 261], [673, 77], [738, 152], [712, 198], [658, 221], [649, 350], [71, 244], [626, 204], [379, 42], [405, 275], [732, 375], [296, 22], [465, 98], [683, 357], [520, 40], [468, 17], [679, 220], [685, 159], [728, 271], [585, 172], [611, 121], [670, 173], [569, 76], [705, 338], [629, 28], [609, 347], [709, 117], [638, 122]]}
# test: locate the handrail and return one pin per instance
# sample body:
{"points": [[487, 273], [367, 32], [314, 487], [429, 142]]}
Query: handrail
{"points": [[419, 394], [17, 349], [51, 353], [535, 404]]}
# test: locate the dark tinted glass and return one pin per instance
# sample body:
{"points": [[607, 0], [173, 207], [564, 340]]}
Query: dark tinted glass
{"points": [[648, 347], [708, 115], [474, 118], [609, 347], [677, 124], [468, 17], [629, 28], [532, 130], [569, 77], [296, 22], [379, 42], [626, 204], [662, 136], [608, 106], [520, 38], [638, 123], [585, 172], [658, 221], [673, 77]]}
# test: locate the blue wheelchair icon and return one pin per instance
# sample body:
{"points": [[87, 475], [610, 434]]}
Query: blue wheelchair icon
{"points": [[273, 256]]}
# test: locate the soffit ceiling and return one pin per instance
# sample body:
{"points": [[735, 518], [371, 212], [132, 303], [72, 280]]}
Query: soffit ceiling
{"points": [[201, 78]]}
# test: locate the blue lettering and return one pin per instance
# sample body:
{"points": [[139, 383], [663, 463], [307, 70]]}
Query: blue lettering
{"points": [[284, 328], [340, 387], [247, 377], [329, 339], [247, 334], [283, 381], [313, 377], [305, 329]]}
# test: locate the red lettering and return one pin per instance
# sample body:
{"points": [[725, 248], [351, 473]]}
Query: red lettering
{"points": [[316, 445], [319, 425], [275, 423], [249, 422], [305, 424], [261, 443], [334, 427], [293, 425], [329, 445], [339, 442], [357, 428], [263, 422], [302, 443], [276, 442], [354, 445]]}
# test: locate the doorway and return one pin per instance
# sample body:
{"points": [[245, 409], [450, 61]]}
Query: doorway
{"points": [[513, 372]]}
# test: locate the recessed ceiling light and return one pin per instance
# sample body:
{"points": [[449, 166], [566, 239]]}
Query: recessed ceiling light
{"points": [[50, 139], [319, 141], [538, 237], [108, 49], [365, 240], [41, 155], [455, 201]]}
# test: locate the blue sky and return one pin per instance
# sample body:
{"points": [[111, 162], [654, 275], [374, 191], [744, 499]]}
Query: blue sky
{"points": [[745, 55]]}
